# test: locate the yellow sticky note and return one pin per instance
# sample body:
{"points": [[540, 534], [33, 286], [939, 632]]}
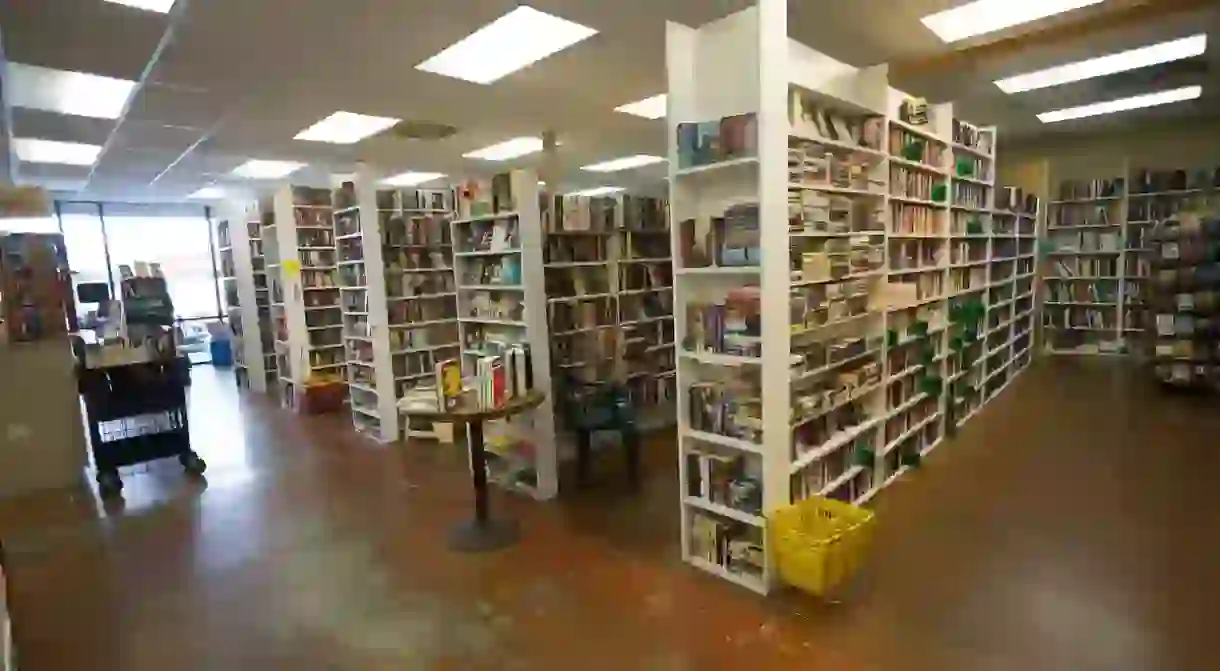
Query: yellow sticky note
{"points": [[292, 267]]}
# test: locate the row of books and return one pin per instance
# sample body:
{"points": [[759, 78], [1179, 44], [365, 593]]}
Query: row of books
{"points": [[910, 183], [499, 235], [480, 197], [813, 164], [733, 546], [914, 219], [705, 142], [969, 194], [1091, 188], [499, 305], [1105, 291], [1080, 318], [817, 355], [839, 258], [974, 137], [730, 407], [811, 211], [967, 251], [485, 271], [726, 480], [916, 254], [1085, 215], [969, 223], [728, 240], [826, 394], [419, 230], [1087, 241], [808, 119], [730, 326], [914, 147]]}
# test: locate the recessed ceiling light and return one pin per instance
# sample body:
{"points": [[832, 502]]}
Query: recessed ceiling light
{"points": [[162, 6], [50, 151], [518, 146], [987, 16], [208, 193], [66, 92], [510, 43], [597, 191], [625, 163], [649, 108], [257, 169], [1123, 105], [1165, 52], [345, 128], [412, 178]]}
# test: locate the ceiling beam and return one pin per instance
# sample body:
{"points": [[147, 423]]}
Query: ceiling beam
{"points": [[1136, 13]]}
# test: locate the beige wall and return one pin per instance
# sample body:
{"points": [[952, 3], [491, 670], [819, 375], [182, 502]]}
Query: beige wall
{"points": [[1187, 144]]}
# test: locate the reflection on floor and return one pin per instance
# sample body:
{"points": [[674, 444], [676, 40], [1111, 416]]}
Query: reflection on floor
{"points": [[1069, 527]]}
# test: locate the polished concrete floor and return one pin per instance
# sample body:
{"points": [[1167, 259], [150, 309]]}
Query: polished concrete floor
{"points": [[1072, 525]]}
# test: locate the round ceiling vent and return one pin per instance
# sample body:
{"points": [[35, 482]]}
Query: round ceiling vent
{"points": [[420, 130]]}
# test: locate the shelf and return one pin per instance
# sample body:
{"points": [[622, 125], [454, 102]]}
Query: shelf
{"points": [[917, 201], [720, 270], [491, 321], [843, 479], [835, 442], [957, 146], [917, 165], [717, 359], [421, 297], [838, 144], [665, 260], [841, 190], [1082, 227], [484, 217], [1086, 201], [906, 435], [415, 325], [488, 252], [1081, 303], [578, 299], [920, 131], [487, 287], [973, 180], [809, 375], [715, 167], [725, 511], [577, 264], [798, 422], [1085, 278], [1168, 194], [723, 441], [835, 280]]}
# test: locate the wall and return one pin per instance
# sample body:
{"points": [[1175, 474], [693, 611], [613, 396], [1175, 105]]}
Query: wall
{"points": [[1185, 144]]}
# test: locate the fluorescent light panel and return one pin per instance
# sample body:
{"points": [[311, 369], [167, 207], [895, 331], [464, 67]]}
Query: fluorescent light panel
{"points": [[66, 92], [510, 43], [1165, 52], [345, 128], [1123, 105], [162, 6], [31, 150], [625, 163], [259, 169], [597, 191], [987, 16], [208, 193], [412, 178], [518, 146], [649, 108]]}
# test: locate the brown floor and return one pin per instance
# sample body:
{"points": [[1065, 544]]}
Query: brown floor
{"points": [[1071, 526]]}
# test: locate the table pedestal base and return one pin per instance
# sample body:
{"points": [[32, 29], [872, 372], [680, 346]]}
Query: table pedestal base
{"points": [[476, 536]]}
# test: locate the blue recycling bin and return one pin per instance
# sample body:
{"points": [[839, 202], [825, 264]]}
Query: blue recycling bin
{"points": [[222, 353]]}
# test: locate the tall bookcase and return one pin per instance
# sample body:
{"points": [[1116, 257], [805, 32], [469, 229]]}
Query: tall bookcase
{"points": [[501, 284], [609, 295], [245, 293], [298, 237], [1098, 258], [830, 355]]}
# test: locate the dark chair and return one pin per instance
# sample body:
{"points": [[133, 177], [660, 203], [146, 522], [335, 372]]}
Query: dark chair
{"points": [[600, 406]]}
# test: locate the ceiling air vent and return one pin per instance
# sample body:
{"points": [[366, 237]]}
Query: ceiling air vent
{"points": [[420, 130]]}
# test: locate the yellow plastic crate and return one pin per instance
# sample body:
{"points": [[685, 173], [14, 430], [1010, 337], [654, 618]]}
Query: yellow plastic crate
{"points": [[819, 542]]}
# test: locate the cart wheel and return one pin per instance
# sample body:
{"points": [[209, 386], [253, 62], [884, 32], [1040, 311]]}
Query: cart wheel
{"points": [[109, 485], [193, 463]]}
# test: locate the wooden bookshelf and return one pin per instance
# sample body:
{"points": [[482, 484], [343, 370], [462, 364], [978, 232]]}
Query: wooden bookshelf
{"points": [[610, 297]]}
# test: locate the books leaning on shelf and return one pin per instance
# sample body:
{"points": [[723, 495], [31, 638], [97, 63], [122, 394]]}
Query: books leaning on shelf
{"points": [[734, 546], [732, 407], [732, 481], [730, 326], [725, 139], [731, 239], [497, 379], [809, 120]]}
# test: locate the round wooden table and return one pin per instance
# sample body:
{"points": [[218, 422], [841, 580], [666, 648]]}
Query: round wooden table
{"points": [[481, 534]]}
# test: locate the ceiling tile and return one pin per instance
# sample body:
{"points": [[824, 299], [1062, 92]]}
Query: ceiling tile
{"points": [[176, 106], [151, 136]]}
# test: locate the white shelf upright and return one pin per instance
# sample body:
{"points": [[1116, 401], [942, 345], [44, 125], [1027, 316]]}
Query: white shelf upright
{"points": [[236, 264], [303, 276], [501, 285]]}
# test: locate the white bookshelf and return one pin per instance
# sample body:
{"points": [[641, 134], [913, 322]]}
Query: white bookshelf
{"points": [[833, 344], [243, 289], [501, 300], [303, 275]]}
